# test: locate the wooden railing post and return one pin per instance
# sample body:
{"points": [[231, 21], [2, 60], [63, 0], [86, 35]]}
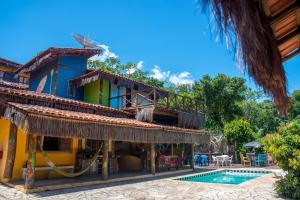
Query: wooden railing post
{"points": [[11, 153], [152, 158], [30, 172], [105, 160]]}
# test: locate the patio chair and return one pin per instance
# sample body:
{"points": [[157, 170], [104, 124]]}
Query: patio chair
{"points": [[245, 161], [229, 160], [215, 160], [204, 160], [262, 159], [197, 160]]}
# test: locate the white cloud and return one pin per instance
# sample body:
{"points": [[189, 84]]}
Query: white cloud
{"points": [[158, 74], [139, 65], [183, 78], [106, 53]]}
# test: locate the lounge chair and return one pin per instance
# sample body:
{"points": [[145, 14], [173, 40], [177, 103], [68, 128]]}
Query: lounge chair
{"points": [[245, 161]]}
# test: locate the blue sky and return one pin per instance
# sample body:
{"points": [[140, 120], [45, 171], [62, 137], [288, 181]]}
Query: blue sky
{"points": [[170, 38]]}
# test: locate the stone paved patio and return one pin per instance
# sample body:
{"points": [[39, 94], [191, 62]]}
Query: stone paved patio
{"points": [[259, 188]]}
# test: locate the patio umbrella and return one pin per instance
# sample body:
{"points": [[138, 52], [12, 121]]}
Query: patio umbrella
{"points": [[253, 144]]}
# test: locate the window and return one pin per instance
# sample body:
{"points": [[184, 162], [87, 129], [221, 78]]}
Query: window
{"points": [[53, 144]]}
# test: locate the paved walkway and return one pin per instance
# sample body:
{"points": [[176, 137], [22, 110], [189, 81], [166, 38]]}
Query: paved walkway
{"points": [[259, 188]]}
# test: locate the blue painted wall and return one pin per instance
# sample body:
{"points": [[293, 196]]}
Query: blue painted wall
{"points": [[116, 91], [70, 67], [37, 75]]}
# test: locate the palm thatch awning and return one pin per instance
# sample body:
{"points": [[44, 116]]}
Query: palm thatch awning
{"points": [[264, 33], [62, 123]]}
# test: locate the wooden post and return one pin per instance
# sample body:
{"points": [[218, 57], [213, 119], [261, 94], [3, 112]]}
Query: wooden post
{"points": [[105, 160], [152, 158], [172, 149], [29, 180], [11, 153], [154, 96], [192, 155]]}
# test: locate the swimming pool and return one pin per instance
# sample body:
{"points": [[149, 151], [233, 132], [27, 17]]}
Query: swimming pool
{"points": [[225, 176]]}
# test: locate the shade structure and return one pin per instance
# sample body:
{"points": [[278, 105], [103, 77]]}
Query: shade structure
{"points": [[253, 144], [53, 122]]}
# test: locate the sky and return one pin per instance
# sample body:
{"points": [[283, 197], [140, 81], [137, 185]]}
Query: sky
{"points": [[169, 38]]}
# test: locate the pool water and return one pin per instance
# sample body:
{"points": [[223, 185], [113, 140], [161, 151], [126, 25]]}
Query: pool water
{"points": [[225, 177]]}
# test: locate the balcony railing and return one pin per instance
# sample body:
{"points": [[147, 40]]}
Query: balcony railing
{"points": [[167, 100]]}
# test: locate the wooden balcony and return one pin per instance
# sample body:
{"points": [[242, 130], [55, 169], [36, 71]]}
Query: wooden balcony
{"points": [[166, 101]]}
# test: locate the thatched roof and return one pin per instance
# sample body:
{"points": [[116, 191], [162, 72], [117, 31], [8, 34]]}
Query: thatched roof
{"points": [[53, 53], [252, 36], [61, 123], [33, 98]]}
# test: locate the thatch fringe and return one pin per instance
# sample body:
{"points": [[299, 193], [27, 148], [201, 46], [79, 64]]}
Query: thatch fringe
{"points": [[190, 120], [250, 36], [15, 116], [50, 126]]}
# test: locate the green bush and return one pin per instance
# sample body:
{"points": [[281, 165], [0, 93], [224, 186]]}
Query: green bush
{"points": [[284, 146]]}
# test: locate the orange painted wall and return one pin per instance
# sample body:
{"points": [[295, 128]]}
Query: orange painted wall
{"points": [[4, 130], [59, 158]]}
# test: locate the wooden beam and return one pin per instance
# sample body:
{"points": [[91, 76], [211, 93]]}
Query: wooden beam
{"points": [[284, 13], [192, 155], [11, 153], [152, 158], [105, 160], [30, 172], [289, 36], [56, 77], [291, 55]]}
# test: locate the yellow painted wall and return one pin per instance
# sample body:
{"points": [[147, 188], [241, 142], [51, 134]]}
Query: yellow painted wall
{"points": [[59, 158], [4, 130]]}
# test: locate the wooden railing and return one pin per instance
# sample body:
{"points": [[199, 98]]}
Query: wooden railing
{"points": [[166, 100]]}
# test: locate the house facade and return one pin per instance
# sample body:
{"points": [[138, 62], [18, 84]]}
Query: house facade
{"points": [[73, 121]]}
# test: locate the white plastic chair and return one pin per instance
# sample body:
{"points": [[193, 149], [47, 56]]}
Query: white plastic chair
{"points": [[229, 160], [215, 160]]}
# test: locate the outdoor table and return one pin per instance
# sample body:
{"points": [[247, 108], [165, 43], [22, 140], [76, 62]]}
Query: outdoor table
{"points": [[222, 158]]}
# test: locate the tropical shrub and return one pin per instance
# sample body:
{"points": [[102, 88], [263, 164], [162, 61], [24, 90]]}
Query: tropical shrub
{"points": [[238, 132], [284, 146]]}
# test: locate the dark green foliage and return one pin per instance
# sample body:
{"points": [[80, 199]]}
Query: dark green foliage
{"points": [[237, 133], [128, 70], [294, 110], [221, 96]]}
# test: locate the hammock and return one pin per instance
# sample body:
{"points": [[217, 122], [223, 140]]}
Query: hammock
{"points": [[66, 174]]}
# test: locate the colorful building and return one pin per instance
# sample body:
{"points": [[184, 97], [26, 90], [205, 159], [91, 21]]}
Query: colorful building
{"points": [[73, 121]]}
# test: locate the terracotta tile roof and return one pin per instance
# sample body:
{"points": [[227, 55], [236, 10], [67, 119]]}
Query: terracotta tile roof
{"points": [[10, 64], [64, 114], [51, 98], [13, 85], [96, 74], [53, 53]]}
